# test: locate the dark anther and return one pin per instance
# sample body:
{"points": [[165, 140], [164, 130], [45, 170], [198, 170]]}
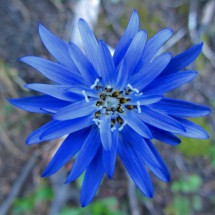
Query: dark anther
{"points": [[119, 109], [108, 89], [113, 121], [122, 100], [102, 96], [115, 94], [98, 87], [119, 120], [127, 91], [98, 103], [129, 107], [97, 114]]}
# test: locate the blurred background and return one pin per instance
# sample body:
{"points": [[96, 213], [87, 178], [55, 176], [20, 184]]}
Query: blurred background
{"points": [[192, 163]]}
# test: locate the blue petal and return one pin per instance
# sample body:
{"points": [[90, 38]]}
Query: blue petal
{"points": [[57, 47], [175, 107], [90, 43], [36, 104], [105, 132], [66, 151], [183, 59], [79, 89], [155, 43], [147, 152], [86, 155], [132, 119], [164, 136], [127, 37], [54, 71], [160, 120], [55, 129], [144, 99], [107, 67], [166, 83], [135, 167], [109, 157], [135, 50], [57, 91], [149, 72], [160, 170], [85, 67], [92, 179], [192, 130], [76, 110], [122, 77]]}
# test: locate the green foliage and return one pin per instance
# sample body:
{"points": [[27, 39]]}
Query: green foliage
{"points": [[107, 206], [197, 147], [26, 204], [188, 185], [185, 204]]}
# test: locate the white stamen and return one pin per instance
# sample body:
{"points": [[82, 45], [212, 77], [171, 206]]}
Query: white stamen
{"points": [[114, 128], [97, 121], [95, 84], [133, 89], [122, 126], [85, 95], [138, 107]]}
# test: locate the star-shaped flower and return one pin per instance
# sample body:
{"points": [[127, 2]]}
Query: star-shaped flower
{"points": [[112, 105]]}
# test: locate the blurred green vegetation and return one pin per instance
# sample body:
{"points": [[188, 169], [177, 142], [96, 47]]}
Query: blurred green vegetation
{"points": [[27, 204], [106, 206], [186, 197], [197, 147]]}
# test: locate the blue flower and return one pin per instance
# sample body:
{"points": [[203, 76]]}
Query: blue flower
{"points": [[112, 105]]}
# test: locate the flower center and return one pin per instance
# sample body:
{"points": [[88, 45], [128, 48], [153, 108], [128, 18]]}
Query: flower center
{"points": [[112, 103]]}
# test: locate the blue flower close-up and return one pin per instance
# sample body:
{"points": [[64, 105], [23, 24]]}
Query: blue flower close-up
{"points": [[112, 105]]}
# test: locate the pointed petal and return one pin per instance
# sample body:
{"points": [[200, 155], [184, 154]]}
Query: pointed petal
{"points": [[148, 154], [176, 107], [164, 136], [66, 127], [76, 110], [160, 170], [92, 179], [135, 50], [53, 71], [105, 132], [107, 67], [109, 157], [122, 76], [89, 42], [70, 146], [148, 73], [57, 47], [86, 154], [86, 69], [127, 37], [160, 120], [57, 91], [132, 119], [144, 99], [155, 43], [183, 59], [36, 104], [166, 83], [192, 130], [135, 168], [55, 129]]}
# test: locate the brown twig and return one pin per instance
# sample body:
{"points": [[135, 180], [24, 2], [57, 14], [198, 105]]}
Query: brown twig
{"points": [[132, 198], [5, 206]]}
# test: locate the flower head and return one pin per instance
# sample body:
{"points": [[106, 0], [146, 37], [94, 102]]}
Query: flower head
{"points": [[112, 105]]}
